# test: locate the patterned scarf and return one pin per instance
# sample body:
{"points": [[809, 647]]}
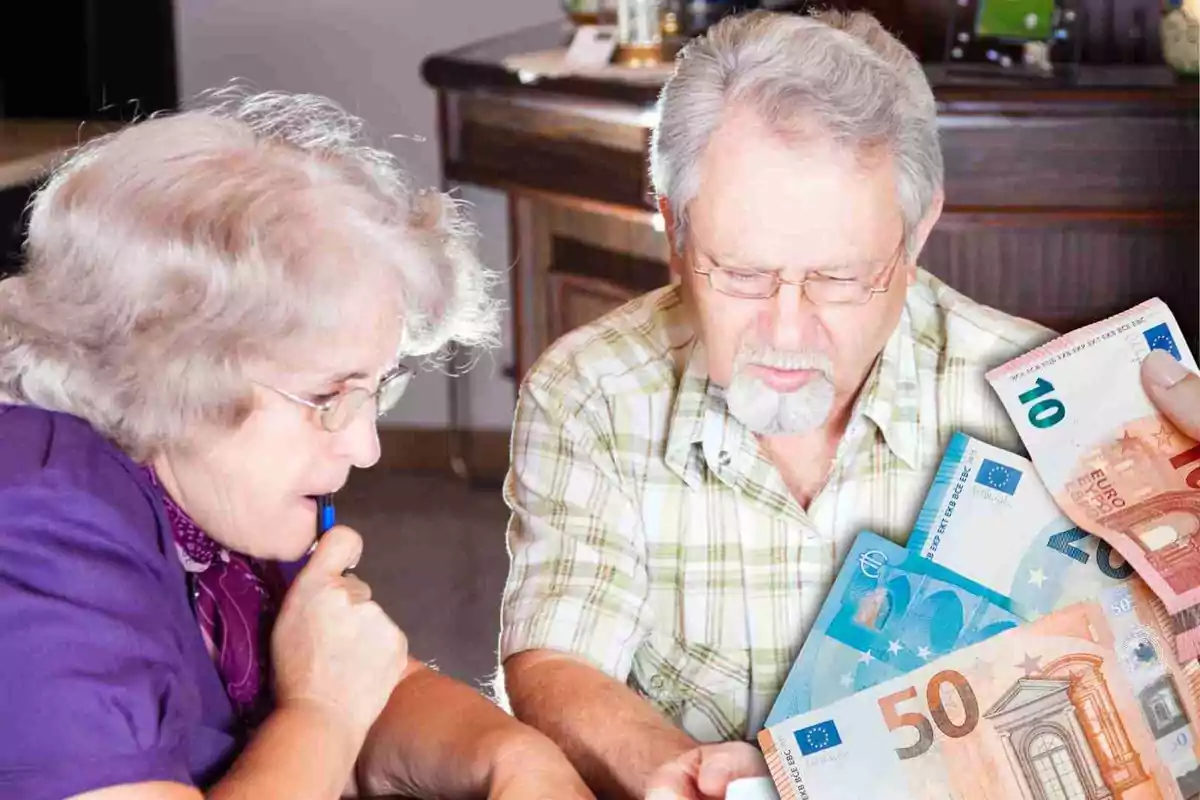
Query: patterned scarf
{"points": [[236, 599]]}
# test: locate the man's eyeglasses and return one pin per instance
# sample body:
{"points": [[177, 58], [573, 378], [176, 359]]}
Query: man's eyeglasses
{"points": [[819, 289], [339, 411]]}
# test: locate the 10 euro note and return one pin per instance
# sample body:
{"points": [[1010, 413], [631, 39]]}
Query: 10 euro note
{"points": [[889, 612], [1114, 465], [988, 518], [1086, 702]]}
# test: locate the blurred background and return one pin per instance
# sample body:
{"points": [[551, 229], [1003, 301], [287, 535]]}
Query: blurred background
{"points": [[1069, 127]]}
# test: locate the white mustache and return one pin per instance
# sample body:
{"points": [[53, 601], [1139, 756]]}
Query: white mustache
{"points": [[779, 359]]}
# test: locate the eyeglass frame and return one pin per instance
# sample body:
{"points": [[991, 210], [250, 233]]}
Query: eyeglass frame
{"points": [[398, 373], [887, 274]]}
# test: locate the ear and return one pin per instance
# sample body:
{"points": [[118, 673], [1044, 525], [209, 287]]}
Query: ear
{"points": [[670, 227], [924, 228]]}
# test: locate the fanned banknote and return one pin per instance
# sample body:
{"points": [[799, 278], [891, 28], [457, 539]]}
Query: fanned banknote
{"points": [[889, 612], [1087, 702], [988, 518], [1114, 465]]}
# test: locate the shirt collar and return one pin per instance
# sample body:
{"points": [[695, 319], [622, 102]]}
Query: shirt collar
{"points": [[889, 398], [700, 416]]}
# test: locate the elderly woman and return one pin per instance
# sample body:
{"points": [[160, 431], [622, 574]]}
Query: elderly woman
{"points": [[211, 317]]}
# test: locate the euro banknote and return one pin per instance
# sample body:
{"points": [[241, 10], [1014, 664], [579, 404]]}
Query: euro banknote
{"points": [[1113, 464], [889, 612], [1087, 702], [988, 517]]}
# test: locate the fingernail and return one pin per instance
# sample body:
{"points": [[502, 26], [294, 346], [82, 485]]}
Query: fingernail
{"points": [[312, 549], [1164, 371], [662, 794]]}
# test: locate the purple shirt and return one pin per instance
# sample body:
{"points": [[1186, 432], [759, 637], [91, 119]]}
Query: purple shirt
{"points": [[104, 675]]}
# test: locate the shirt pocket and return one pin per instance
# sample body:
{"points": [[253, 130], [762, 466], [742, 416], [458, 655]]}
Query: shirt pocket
{"points": [[703, 690]]}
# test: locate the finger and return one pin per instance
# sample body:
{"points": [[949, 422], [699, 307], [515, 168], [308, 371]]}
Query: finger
{"points": [[727, 762], [1174, 389], [676, 780], [358, 589], [338, 550]]}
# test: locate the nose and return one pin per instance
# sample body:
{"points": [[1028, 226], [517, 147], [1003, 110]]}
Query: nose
{"points": [[790, 320], [359, 441]]}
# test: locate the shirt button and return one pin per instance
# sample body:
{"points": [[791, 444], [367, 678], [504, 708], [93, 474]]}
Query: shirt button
{"points": [[656, 682], [724, 458]]}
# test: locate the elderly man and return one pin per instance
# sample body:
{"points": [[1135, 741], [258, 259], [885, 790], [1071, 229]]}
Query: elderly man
{"points": [[689, 471]]}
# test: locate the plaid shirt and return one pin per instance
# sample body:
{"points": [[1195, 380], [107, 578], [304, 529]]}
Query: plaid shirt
{"points": [[652, 537]]}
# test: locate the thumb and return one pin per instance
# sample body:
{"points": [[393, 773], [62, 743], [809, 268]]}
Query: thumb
{"points": [[1174, 389], [337, 551], [676, 780]]}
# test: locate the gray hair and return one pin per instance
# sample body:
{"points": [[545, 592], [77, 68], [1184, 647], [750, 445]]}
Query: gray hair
{"points": [[163, 258], [841, 72]]}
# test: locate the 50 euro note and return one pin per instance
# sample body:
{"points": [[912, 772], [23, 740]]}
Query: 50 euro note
{"points": [[1113, 464], [989, 518], [889, 612], [1087, 702]]}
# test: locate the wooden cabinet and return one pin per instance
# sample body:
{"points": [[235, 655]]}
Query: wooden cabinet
{"points": [[1064, 203], [575, 263]]}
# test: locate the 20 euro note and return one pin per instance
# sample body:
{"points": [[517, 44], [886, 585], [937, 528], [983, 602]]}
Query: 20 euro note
{"points": [[889, 612], [1114, 465], [988, 517], [1084, 703]]}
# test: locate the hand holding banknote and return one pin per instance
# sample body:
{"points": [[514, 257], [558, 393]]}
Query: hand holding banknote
{"points": [[1174, 390]]}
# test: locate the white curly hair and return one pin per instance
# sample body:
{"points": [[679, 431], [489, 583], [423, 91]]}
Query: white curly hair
{"points": [[162, 258]]}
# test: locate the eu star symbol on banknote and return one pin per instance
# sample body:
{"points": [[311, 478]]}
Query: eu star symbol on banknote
{"points": [[1159, 337], [816, 738], [998, 476]]}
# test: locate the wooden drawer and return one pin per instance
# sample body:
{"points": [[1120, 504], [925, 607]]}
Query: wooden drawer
{"points": [[576, 263], [1070, 162], [576, 301], [582, 149], [1067, 270]]}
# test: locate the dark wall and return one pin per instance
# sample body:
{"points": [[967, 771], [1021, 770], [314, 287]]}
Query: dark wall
{"points": [[109, 59]]}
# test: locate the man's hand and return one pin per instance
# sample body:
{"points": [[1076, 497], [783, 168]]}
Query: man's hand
{"points": [[1174, 390], [704, 773]]}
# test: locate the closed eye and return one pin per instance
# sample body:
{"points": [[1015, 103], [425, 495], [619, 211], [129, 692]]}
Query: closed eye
{"points": [[322, 399]]}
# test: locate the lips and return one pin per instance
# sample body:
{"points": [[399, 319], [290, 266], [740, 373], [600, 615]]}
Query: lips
{"points": [[785, 380]]}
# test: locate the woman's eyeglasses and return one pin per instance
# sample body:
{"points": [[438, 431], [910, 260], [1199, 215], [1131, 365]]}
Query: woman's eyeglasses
{"points": [[340, 410]]}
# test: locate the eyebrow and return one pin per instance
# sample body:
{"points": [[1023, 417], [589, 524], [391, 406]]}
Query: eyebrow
{"points": [[729, 263], [825, 269], [347, 376]]}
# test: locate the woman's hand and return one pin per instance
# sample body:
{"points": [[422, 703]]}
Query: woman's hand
{"points": [[332, 648], [1174, 389], [705, 772], [533, 768]]}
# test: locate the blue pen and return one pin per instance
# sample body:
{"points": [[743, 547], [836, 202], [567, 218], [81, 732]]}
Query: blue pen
{"points": [[325, 514]]}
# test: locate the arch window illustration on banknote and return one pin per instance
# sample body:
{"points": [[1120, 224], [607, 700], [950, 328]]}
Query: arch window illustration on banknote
{"points": [[1056, 765], [1162, 707], [1063, 735]]}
